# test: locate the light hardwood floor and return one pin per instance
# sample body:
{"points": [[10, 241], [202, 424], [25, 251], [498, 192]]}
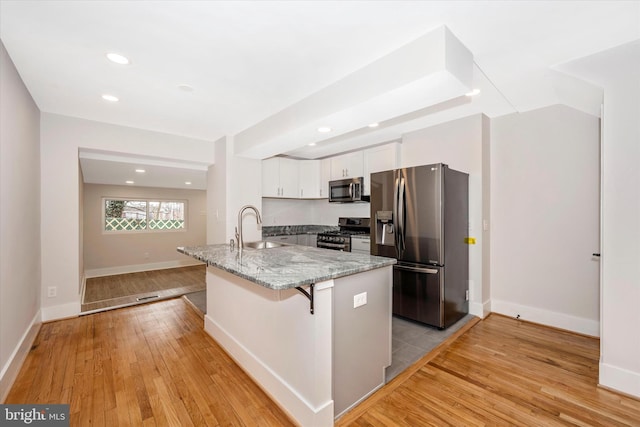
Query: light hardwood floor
{"points": [[146, 365], [145, 286], [154, 365], [501, 372]]}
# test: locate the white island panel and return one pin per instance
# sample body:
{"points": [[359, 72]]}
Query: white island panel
{"points": [[276, 340]]}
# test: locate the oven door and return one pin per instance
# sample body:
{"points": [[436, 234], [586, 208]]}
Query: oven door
{"points": [[334, 246], [323, 242]]}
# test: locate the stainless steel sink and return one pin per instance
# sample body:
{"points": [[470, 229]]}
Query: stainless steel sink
{"points": [[262, 244]]}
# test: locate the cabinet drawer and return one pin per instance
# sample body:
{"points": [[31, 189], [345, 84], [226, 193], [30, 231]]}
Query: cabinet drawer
{"points": [[287, 238], [360, 245]]}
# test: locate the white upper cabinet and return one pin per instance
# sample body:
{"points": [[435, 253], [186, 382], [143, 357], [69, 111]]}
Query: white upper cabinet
{"points": [[271, 177], [310, 183], [378, 159], [309, 179], [350, 165], [280, 178], [325, 177]]}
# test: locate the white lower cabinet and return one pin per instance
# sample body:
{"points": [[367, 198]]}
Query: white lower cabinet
{"points": [[308, 240], [295, 239], [285, 238], [361, 245]]}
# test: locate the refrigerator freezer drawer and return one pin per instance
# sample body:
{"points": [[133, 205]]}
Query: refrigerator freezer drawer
{"points": [[418, 293]]}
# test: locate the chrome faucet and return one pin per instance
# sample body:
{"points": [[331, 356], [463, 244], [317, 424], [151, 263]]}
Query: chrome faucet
{"points": [[239, 237]]}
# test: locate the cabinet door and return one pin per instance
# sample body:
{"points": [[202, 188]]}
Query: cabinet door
{"points": [[284, 238], [379, 159], [289, 178], [355, 164], [347, 165], [360, 245], [338, 167], [309, 179], [271, 177], [325, 177]]}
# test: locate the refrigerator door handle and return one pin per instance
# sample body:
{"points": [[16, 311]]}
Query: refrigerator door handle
{"points": [[416, 269], [396, 189], [401, 214]]}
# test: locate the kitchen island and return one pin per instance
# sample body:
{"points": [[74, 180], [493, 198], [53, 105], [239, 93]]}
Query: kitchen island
{"points": [[288, 317]]}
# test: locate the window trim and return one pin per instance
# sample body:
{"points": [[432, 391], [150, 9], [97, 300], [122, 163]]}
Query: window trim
{"points": [[146, 230]]}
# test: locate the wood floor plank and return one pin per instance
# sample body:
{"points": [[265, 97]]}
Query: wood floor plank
{"points": [[502, 371], [153, 365], [146, 365], [125, 289]]}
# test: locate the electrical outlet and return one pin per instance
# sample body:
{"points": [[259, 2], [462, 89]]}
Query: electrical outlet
{"points": [[146, 255], [52, 291], [359, 300]]}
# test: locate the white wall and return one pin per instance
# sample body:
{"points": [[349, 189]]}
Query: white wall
{"points": [[459, 144], [309, 212], [217, 195], [620, 290], [19, 221], [117, 253], [232, 183], [545, 217], [61, 137]]}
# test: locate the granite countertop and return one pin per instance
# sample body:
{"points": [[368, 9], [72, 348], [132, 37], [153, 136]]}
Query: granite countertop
{"points": [[286, 266], [280, 230]]}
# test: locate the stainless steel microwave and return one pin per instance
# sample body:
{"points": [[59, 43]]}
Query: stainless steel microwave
{"points": [[347, 191]]}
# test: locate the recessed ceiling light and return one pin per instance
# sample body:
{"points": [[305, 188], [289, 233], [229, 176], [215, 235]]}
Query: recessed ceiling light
{"points": [[129, 182], [473, 92], [186, 88], [140, 170], [110, 98], [312, 144], [324, 129], [187, 182], [118, 59], [373, 125]]}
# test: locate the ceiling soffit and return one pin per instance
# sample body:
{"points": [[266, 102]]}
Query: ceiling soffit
{"points": [[431, 70]]}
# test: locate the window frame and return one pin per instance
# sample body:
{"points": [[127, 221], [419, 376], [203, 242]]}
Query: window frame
{"points": [[147, 201]]}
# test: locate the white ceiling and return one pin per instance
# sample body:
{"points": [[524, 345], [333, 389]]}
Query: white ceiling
{"points": [[99, 167], [249, 60]]}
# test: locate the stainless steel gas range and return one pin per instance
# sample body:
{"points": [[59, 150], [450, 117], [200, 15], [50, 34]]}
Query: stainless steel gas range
{"points": [[341, 240]]}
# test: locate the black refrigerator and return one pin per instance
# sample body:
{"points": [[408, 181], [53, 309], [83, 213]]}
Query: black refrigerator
{"points": [[421, 218]]}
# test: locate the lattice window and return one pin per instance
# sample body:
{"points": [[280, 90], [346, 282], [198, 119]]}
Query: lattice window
{"points": [[143, 215]]}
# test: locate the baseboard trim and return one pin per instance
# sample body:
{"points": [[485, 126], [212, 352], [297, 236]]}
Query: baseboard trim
{"points": [[546, 317], [16, 360], [298, 410], [62, 311], [619, 380], [137, 268], [480, 310]]}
